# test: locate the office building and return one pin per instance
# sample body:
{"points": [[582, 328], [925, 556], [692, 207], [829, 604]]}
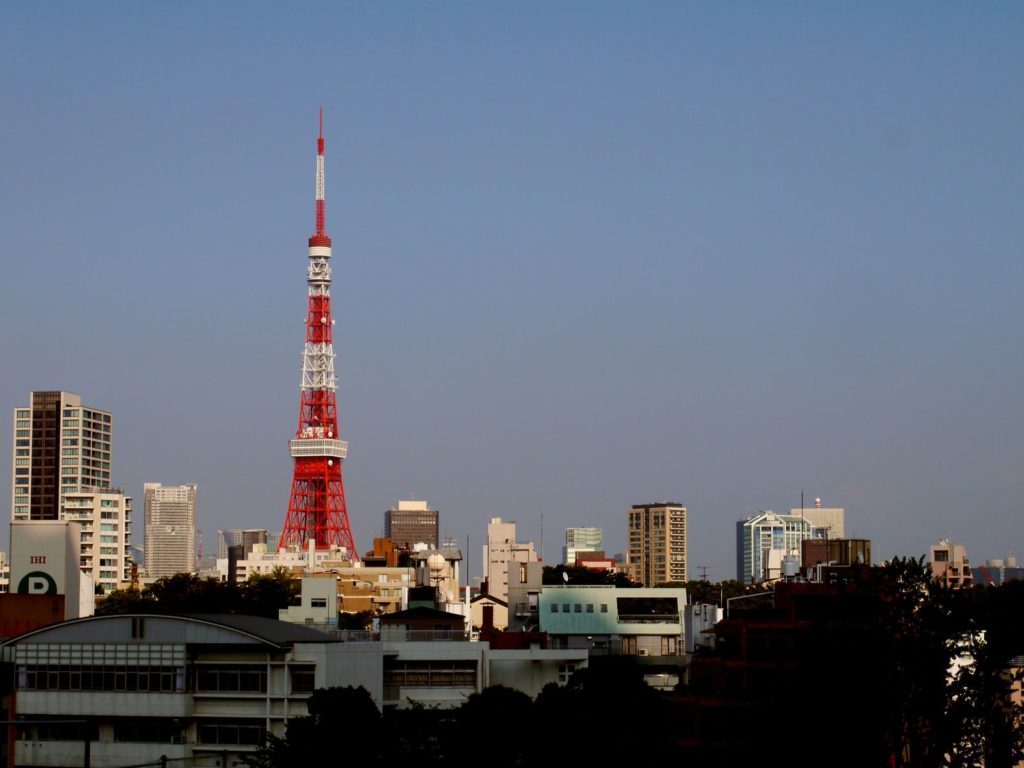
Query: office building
{"points": [[170, 529], [993, 573], [59, 446], [412, 522], [767, 544], [247, 537], [500, 550], [657, 543], [581, 540], [105, 515]]}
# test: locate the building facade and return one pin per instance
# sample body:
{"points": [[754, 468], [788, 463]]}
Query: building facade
{"points": [[59, 446], [656, 542], [170, 529], [247, 537], [950, 565], [105, 515], [764, 541], [581, 540], [413, 522], [500, 550], [827, 522], [208, 690]]}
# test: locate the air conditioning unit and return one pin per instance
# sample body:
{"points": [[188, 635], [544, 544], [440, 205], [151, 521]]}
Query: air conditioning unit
{"points": [[643, 652]]}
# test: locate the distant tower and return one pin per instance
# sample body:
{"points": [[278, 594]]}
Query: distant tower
{"points": [[316, 505]]}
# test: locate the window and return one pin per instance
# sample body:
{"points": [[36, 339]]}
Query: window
{"points": [[430, 672], [318, 602], [565, 608], [151, 730], [240, 678], [251, 732], [303, 679], [590, 607], [554, 607], [604, 607], [578, 608], [86, 677]]}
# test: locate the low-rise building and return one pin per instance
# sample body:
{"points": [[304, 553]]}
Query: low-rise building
{"points": [[201, 690], [631, 622]]}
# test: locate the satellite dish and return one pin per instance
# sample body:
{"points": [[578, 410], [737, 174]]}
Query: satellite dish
{"points": [[565, 577]]}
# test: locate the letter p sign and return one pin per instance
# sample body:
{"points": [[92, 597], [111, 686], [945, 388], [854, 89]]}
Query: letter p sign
{"points": [[37, 583]]}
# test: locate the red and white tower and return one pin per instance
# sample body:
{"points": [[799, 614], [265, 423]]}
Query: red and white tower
{"points": [[316, 505]]}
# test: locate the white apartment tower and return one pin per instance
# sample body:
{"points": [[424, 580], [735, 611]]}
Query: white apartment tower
{"points": [[657, 543], [170, 529], [59, 446], [581, 540], [500, 550], [105, 515]]}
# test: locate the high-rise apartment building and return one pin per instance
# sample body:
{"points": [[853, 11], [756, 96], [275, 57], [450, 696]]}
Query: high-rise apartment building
{"points": [[105, 515], [657, 542], [413, 522], [170, 529], [581, 540], [59, 447]]}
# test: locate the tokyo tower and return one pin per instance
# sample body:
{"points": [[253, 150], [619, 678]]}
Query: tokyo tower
{"points": [[316, 504]]}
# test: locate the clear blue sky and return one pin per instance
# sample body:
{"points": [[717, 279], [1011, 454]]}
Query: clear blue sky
{"points": [[586, 255]]}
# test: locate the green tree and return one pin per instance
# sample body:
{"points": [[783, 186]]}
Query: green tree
{"points": [[261, 595], [266, 594], [316, 739]]}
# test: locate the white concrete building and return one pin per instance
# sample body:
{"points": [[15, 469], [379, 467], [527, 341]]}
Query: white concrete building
{"points": [[45, 560], [170, 529], [105, 515], [202, 690]]}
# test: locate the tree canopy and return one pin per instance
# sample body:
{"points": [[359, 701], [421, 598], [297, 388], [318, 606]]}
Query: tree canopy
{"points": [[259, 595]]}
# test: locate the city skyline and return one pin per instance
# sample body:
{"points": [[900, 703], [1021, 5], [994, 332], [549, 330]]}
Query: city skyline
{"points": [[584, 257]]}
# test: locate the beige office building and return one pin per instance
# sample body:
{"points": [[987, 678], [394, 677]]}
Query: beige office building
{"points": [[657, 543], [170, 529]]}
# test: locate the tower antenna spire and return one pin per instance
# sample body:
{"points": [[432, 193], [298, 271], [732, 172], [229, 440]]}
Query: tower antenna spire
{"points": [[319, 234]]}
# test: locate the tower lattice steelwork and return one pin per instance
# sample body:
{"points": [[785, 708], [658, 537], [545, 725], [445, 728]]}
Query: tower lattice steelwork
{"points": [[316, 505]]}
